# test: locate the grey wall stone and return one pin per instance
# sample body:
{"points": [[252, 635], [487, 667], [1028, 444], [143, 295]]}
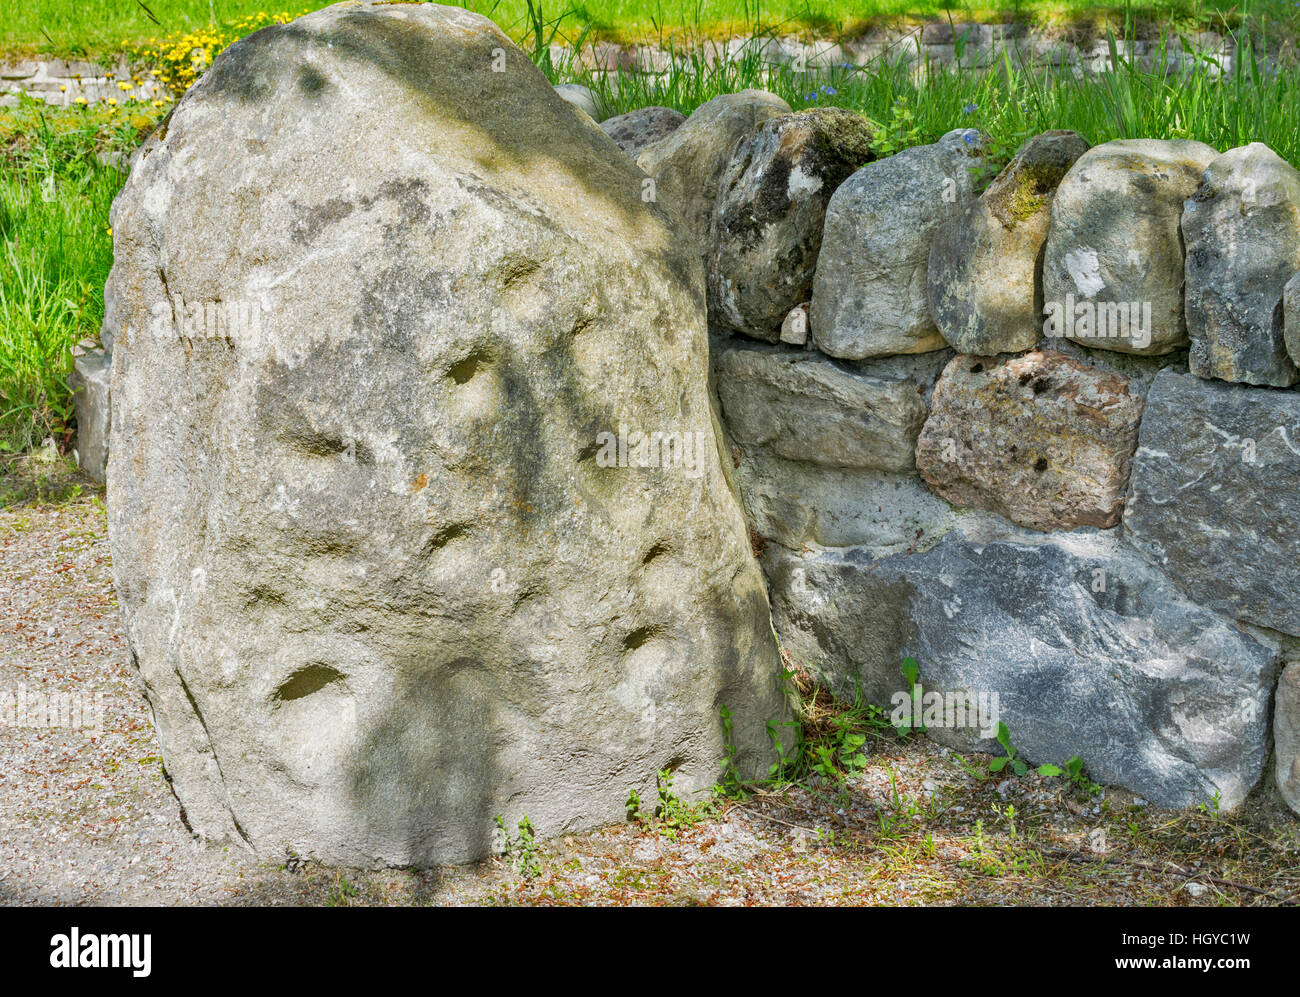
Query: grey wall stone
{"points": [[767, 224], [1242, 230], [1215, 497], [1291, 318], [1286, 735], [803, 407], [637, 129], [869, 294], [1115, 244], [985, 279], [91, 381], [689, 164], [1089, 650]]}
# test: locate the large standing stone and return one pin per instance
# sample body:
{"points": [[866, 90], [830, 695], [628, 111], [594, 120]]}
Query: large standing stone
{"points": [[379, 577], [985, 281], [1040, 438], [767, 223], [688, 165], [806, 408], [869, 293], [1286, 735], [637, 129], [1242, 229], [1113, 265], [1071, 640], [1216, 495]]}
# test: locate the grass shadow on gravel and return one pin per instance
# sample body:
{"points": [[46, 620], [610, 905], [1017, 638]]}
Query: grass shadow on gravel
{"points": [[43, 477]]}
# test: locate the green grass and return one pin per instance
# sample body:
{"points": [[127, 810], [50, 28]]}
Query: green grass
{"points": [[42, 477], [55, 253], [99, 26], [1012, 101], [55, 193]]}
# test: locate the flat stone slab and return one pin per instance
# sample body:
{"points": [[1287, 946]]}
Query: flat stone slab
{"points": [[1216, 495], [1076, 643], [804, 407]]}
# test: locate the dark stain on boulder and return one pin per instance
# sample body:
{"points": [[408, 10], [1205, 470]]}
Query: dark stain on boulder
{"points": [[251, 68], [311, 221], [311, 82]]}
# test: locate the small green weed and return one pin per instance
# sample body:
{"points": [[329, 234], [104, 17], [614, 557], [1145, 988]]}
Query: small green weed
{"points": [[342, 892], [520, 852], [672, 815]]}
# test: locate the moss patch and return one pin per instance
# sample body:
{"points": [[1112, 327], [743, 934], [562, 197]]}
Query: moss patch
{"points": [[1025, 188], [1025, 193]]}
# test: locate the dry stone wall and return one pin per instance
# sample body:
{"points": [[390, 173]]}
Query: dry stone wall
{"points": [[1039, 432]]}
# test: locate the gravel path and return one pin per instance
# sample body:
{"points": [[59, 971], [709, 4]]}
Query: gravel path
{"points": [[87, 817]]}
